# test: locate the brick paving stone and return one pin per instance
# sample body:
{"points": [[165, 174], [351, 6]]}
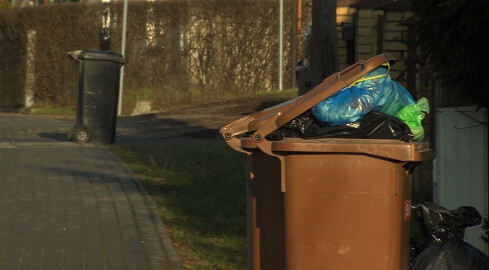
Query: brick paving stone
{"points": [[70, 206]]}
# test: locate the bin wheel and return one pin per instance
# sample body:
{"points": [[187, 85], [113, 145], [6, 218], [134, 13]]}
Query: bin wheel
{"points": [[81, 135]]}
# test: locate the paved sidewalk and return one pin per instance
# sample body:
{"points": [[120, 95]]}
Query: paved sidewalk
{"points": [[70, 206]]}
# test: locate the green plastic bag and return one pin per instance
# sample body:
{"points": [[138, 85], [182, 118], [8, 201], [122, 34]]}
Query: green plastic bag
{"points": [[412, 115]]}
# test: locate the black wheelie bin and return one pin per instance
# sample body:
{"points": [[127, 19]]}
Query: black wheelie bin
{"points": [[98, 93]]}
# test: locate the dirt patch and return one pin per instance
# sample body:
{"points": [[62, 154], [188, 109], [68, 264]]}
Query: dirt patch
{"points": [[197, 122]]}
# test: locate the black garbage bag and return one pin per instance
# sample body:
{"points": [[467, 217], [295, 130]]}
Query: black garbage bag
{"points": [[451, 255], [374, 125], [448, 251]]}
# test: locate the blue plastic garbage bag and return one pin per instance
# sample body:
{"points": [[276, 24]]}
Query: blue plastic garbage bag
{"points": [[350, 104]]}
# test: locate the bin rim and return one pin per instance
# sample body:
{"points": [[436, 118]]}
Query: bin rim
{"points": [[97, 55], [382, 148]]}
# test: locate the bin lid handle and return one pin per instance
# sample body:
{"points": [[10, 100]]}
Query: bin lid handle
{"points": [[241, 126], [75, 54]]}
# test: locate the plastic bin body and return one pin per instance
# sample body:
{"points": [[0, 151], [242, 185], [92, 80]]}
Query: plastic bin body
{"points": [[98, 93], [347, 202], [353, 212], [265, 202]]}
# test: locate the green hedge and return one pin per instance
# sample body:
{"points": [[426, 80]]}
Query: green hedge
{"points": [[178, 51]]}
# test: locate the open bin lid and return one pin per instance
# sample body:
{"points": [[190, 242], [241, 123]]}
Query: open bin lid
{"points": [[268, 120], [249, 133]]}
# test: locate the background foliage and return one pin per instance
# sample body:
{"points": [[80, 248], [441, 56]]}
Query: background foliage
{"points": [[178, 51], [451, 35]]}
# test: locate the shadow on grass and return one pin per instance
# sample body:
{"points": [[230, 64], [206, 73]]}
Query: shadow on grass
{"points": [[200, 190]]}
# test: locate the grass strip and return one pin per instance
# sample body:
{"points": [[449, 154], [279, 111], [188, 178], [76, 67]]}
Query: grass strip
{"points": [[200, 192]]}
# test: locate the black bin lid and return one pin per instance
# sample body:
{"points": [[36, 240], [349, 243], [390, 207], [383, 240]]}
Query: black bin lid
{"points": [[97, 55]]}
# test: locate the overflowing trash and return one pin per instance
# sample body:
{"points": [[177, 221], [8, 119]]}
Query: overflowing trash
{"points": [[412, 115], [374, 91], [374, 125], [447, 250], [372, 107]]}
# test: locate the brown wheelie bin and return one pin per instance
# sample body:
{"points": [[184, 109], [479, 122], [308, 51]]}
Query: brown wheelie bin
{"points": [[346, 202], [265, 199]]}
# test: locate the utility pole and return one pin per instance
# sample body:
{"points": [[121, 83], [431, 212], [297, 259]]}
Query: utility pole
{"points": [[293, 41], [123, 51], [281, 45]]}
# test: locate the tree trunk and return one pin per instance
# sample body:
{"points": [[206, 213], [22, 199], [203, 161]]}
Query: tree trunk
{"points": [[324, 40]]}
